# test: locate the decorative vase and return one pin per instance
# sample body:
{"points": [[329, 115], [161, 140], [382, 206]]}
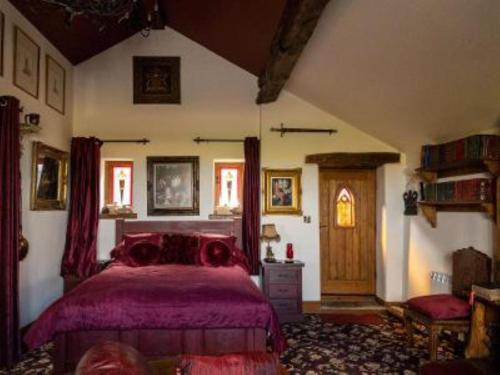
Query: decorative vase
{"points": [[289, 252]]}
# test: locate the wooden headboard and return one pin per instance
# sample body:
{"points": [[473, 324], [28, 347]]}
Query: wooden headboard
{"points": [[228, 227]]}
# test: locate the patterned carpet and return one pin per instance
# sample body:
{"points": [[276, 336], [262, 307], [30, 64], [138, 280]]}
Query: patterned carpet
{"points": [[316, 347]]}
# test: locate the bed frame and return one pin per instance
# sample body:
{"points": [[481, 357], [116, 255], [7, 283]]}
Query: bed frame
{"points": [[70, 347]]}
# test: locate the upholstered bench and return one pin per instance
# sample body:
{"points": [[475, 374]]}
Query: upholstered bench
{"points": [[436, 313]]}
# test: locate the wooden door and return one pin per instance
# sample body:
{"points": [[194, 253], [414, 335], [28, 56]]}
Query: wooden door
{"points": [[347, 231]]}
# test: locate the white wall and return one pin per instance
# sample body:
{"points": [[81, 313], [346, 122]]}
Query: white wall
{"points": [[40, 283], [218, 100]]}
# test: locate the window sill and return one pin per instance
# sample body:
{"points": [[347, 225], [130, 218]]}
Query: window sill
{"points": [[222, 217], [131, 215]]}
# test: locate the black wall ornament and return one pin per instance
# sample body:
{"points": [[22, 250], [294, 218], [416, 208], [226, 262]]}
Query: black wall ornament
{"points": [[410, 198]]}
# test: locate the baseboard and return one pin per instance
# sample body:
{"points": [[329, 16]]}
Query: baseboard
{"points": [[387, 303]]}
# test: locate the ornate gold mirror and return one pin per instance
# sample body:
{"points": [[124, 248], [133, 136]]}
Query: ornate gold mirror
{"points": [[49, 178]]}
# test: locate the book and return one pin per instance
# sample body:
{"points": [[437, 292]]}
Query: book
{"points": [[476, 147]]}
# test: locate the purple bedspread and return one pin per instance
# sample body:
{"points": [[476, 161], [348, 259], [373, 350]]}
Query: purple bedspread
{"points": [[162, 296]]}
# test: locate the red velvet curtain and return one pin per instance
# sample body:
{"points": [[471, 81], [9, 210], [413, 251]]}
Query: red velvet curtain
{"points": [[251, 203], [10, 230], [80, 254]]}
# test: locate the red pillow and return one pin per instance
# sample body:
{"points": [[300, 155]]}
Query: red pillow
{"points": [[119, 251], [179, 248], [440, 306], [216, 253], [131, 239], [145, 253], [240, 259]]}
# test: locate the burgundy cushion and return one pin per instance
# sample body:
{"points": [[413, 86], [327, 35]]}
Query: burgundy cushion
{"points": [[440, 306], [112, 358], [118, 251], [216, 250], [240, 259], [145, 253], [216, 253], [179, 248], [131, 239]]}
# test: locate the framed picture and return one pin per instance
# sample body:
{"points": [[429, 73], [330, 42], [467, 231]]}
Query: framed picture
{"points": [[173, 185], [55, 84], [49, 178], [26, 62], [282, 191], [157, 80], [2, 32]]}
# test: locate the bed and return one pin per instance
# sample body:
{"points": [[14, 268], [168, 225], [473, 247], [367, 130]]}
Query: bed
{"points": [[161, 310]]}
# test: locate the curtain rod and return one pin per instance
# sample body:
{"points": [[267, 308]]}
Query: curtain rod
{"points": [[209, 140], [143, 141], [3, 102], [283, 130]]}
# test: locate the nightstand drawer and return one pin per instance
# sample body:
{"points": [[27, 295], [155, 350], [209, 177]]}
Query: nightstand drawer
{"points": [[284, 276], [283, 291], [285, 306]]}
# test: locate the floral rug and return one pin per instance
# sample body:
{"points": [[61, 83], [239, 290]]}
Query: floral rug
{"points": [[318, 347]]}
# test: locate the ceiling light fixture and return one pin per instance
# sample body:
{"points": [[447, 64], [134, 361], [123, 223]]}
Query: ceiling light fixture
{"points": [[146, 13]]}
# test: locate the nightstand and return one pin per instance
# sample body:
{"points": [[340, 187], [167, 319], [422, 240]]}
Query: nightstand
{"points": [[282, 285]]}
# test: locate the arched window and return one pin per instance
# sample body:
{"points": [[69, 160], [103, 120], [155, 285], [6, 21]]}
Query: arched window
{"points": [[346, 210]]}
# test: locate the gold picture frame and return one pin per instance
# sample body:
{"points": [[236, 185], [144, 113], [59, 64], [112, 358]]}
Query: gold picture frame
{"points": [[49, 178], [282, 191]]}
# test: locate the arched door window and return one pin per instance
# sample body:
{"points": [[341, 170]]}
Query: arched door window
{"points": [[345, 210]]}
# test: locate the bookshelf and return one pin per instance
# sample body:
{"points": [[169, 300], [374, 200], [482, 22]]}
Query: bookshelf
{"points": [[471, 155], [432, 175]]}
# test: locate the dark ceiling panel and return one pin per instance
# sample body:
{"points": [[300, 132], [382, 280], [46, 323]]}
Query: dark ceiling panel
{"points": [[78, 41], [239, 31]]}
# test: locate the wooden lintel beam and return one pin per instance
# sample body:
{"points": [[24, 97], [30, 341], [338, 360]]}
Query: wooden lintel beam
{"points": [[297, 24], [353, 160]]}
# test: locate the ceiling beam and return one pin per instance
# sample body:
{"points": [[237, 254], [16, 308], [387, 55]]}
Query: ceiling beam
{"points": [[341, 160], [297, 24]]}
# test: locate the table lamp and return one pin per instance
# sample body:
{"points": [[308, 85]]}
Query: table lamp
{"points": [[269, 234]]}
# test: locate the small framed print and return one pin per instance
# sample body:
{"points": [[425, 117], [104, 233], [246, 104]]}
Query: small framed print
{"points": [[173, 185], [55, 85], [26, 62], [282, 191], [2, 28], [157, 80]]}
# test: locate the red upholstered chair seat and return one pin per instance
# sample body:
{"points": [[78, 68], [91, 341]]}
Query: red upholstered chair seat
{"points": [[440, 306]]}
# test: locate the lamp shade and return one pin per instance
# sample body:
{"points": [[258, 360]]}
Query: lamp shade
{"points": [[269, 232]]}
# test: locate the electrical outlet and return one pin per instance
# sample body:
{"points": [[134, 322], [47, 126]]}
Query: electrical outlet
{"points": [[440, 277]]}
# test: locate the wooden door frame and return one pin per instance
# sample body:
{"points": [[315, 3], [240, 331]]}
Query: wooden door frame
{"points": [[345, 160]]}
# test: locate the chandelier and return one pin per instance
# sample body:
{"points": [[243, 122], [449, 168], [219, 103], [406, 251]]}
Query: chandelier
{"points": [[131, 10], [103, 8]]}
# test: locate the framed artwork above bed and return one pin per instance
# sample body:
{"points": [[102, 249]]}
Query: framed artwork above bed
{"points": [[173, 185]]}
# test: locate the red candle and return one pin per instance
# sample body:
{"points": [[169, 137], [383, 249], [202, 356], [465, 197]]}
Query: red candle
{"points": [[289, 251]]}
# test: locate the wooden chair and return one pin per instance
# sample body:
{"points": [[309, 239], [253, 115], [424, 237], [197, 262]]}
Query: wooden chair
{"points": [[449, 312]]}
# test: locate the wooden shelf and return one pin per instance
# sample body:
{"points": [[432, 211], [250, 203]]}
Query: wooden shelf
{"points": [[431, 208], [432, 174], [29, 129], [131, 215]]}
